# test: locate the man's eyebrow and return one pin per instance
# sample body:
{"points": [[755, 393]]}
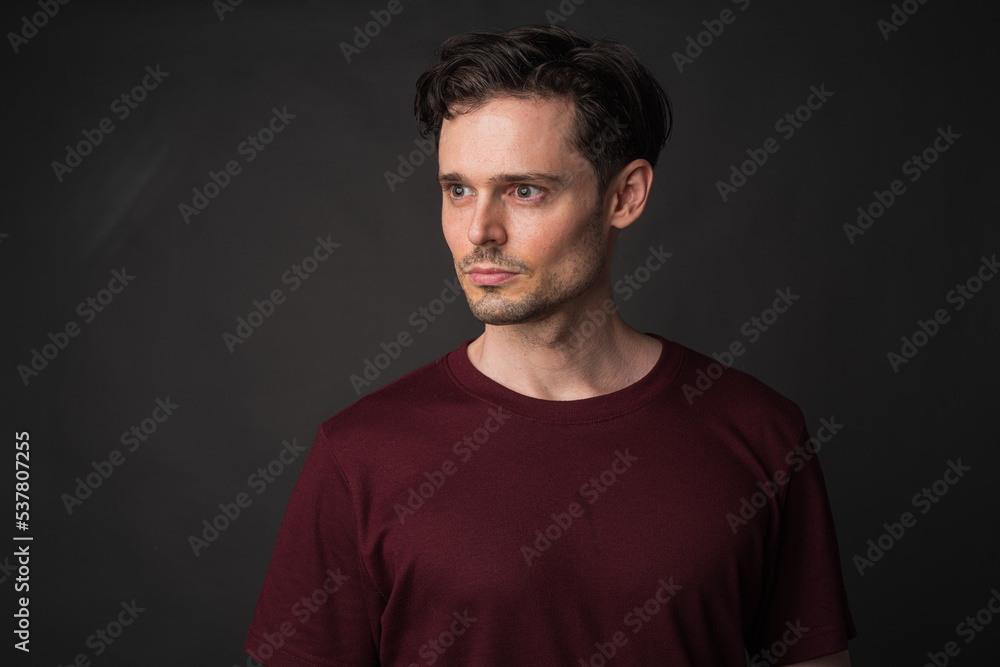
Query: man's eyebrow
{"points": [[506, 178]]}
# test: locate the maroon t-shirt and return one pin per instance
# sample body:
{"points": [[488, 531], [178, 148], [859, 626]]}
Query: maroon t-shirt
{"points": [[447, 520]]}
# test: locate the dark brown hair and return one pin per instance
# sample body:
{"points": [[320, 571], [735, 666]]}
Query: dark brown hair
{"points": [[622, 113]]}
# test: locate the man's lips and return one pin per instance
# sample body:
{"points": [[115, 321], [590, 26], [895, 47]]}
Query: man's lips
{"points": [[490, 276]]}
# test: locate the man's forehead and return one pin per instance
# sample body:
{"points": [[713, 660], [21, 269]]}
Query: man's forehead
{"points": [[524, 134]]}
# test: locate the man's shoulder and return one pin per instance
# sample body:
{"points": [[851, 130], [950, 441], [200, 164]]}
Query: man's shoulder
{"points": [[398, 406], [715, 389]]}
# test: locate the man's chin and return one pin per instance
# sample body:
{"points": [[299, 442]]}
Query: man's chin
{"points": [[494, 314], [501, 314]]}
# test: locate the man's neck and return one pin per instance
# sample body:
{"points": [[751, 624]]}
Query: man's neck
{"points": [[560, 361]]}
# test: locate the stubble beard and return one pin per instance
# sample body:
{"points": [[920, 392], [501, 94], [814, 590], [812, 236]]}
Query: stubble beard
{"points": [[551, 292]]}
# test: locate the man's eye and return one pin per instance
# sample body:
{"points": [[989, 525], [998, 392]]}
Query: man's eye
{"points": [[526, 191], [458, 191]]}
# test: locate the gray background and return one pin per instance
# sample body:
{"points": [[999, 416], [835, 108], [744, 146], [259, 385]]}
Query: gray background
{"points": [[324, 175]]}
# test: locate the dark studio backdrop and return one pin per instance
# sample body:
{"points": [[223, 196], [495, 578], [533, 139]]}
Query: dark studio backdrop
{"points": [[170, 166]]}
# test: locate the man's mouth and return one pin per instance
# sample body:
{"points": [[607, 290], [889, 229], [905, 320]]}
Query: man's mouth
{"points": [[490, 275]]}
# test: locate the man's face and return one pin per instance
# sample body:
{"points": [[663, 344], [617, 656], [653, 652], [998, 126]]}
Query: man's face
{"points": [[520, 211]]}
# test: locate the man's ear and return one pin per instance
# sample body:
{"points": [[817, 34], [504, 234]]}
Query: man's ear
{"points": [[629, 192]]}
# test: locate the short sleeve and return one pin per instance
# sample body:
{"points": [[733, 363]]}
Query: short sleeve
{"points": [[313, 605], [804, 612]]}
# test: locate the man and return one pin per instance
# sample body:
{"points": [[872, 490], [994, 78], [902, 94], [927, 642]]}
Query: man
{"points": [[549, 493]]}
